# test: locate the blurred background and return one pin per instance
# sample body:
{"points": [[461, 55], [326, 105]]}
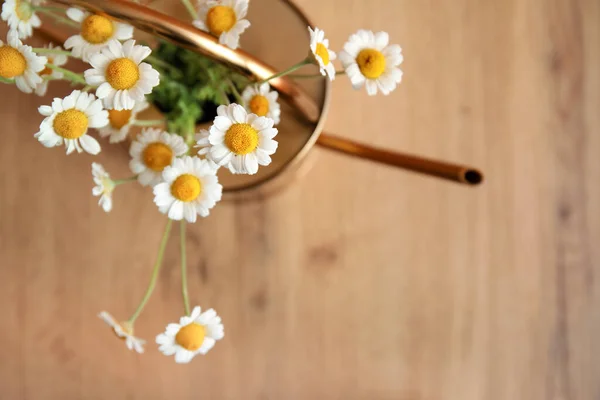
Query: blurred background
{"points": [[358, 281]]}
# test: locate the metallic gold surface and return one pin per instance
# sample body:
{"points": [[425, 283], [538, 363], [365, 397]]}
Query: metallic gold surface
{"points": [[185, 35]]}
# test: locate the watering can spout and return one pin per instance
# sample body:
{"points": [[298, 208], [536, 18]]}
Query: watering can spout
{"points": [[186, 36]]}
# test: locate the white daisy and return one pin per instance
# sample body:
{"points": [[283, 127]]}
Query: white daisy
{"points": [[123, 331], [321, 53], [96, 32], [368, 60], [202, 142], [262, 101], [67, 121], [223, 19], [121, 74], [241, 141], [55, 59], [190, 188], [152, 151], [120, 122], [193, 335], [21, 17], [18, 61], [104, 186]]}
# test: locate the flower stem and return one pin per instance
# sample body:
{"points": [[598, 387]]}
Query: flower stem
{"points": [[288, 71], [184, 290], [45, 8], [155, 270], [235, 91], [157, 62], [7, 80], [190, 8], [150, 122], [59, 18], [308, 76], [118, 182], [70, 75], [41, 50]]}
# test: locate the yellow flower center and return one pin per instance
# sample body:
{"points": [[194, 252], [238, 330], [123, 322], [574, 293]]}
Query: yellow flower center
{"points": [[241, 139], [186, 188], [371, 63], [12, 62], [259, 105], [191, 336], [71, 124], [322, 52], [23, 10], [157, 156], [108, 185], [97, 29], [220, 19], [119, 118], [122, 73]]}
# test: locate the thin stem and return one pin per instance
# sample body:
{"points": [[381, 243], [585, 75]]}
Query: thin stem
{"points": [[7, 80], [118, 182], [184, 290], [149, 122], [188, 135], [155, 270], [45, 8], [225, 98], [288, 71], [41, 50], [235, 91], [72, 76], [157, 62], [61, 19], [190, 8], [308, 76]]}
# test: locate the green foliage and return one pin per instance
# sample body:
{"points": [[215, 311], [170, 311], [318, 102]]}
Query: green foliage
{"points": [[191, 86]]}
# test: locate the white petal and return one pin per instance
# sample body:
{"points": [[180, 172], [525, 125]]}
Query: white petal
{"points": [[176, 211], [90, 144], [183, 356]]}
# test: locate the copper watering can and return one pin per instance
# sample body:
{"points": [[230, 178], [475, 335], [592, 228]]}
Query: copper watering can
{"points": [[308, 109]]}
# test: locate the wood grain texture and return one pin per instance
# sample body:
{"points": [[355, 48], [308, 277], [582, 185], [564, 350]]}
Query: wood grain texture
{"points": [[360, 281]]}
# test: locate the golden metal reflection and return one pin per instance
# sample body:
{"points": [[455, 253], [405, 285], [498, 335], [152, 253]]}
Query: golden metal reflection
{"points": [[187, 36]]}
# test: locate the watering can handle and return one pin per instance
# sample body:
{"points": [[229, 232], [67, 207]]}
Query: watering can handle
{"points": [[187, 36]]}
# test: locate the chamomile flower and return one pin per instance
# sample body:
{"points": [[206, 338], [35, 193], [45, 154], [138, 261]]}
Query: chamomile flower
{"points": [[18, 61], [223, 19], [122, 77], [120, 122], [190, 188], [104, 186], [55, 59], [369, 61], [241, 141], [123, 331], [262, 101], [202, 142], [67, 121], [20, 17], [193, 335], [319, 46], [96, 32], [152, 151]]}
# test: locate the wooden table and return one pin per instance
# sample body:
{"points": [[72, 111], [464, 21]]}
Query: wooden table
{"points": [[360, 281]]}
